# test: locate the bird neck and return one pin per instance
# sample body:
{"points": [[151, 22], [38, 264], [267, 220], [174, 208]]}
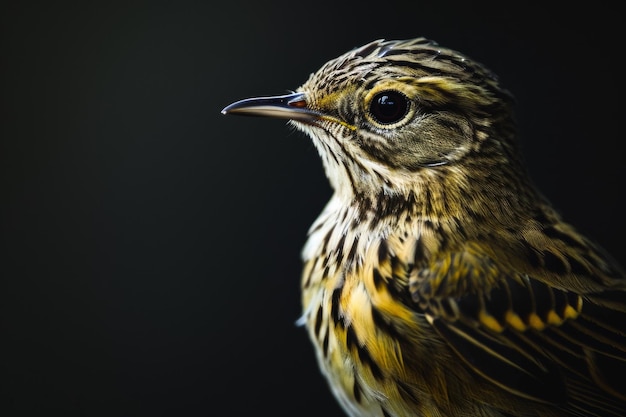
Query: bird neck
{"points": [[446, 196]]}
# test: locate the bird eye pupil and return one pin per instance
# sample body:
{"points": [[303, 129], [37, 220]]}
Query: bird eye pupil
{"points": [[389, 107]]}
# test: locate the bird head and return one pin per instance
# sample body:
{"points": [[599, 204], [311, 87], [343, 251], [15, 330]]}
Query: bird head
{"points": [[390, 114]]}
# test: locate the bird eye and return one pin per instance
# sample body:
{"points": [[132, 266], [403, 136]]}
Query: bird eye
{"points": [[388, 107]]}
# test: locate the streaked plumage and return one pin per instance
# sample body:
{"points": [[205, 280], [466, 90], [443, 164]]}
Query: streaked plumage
{"points": [[438, 281]]}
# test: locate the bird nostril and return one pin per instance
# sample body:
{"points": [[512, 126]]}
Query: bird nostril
{"points": [[298, 103]]}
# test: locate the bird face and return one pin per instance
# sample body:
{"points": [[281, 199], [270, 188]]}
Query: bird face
{"points": [[393, 109], [389, 123]]}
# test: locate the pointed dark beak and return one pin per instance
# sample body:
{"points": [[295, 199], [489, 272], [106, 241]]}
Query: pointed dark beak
{"points": [[290, 106]]}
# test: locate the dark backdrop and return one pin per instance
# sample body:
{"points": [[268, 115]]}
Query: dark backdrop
{"points": [[150, 246]]}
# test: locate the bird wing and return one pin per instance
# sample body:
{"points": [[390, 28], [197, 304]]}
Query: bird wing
{"points": [[528, 336]]}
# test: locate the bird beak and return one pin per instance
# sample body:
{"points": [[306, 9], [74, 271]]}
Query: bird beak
{"points": [[290, 106]]}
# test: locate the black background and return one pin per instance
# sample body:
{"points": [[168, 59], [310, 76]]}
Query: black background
{"points": [[150, 246]]}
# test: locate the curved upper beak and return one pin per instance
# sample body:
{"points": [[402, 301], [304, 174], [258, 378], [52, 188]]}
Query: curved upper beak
{"points": [[290, 106]]}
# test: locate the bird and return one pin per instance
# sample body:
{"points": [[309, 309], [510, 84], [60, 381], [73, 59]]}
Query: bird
{"points": [[438, 280]]}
